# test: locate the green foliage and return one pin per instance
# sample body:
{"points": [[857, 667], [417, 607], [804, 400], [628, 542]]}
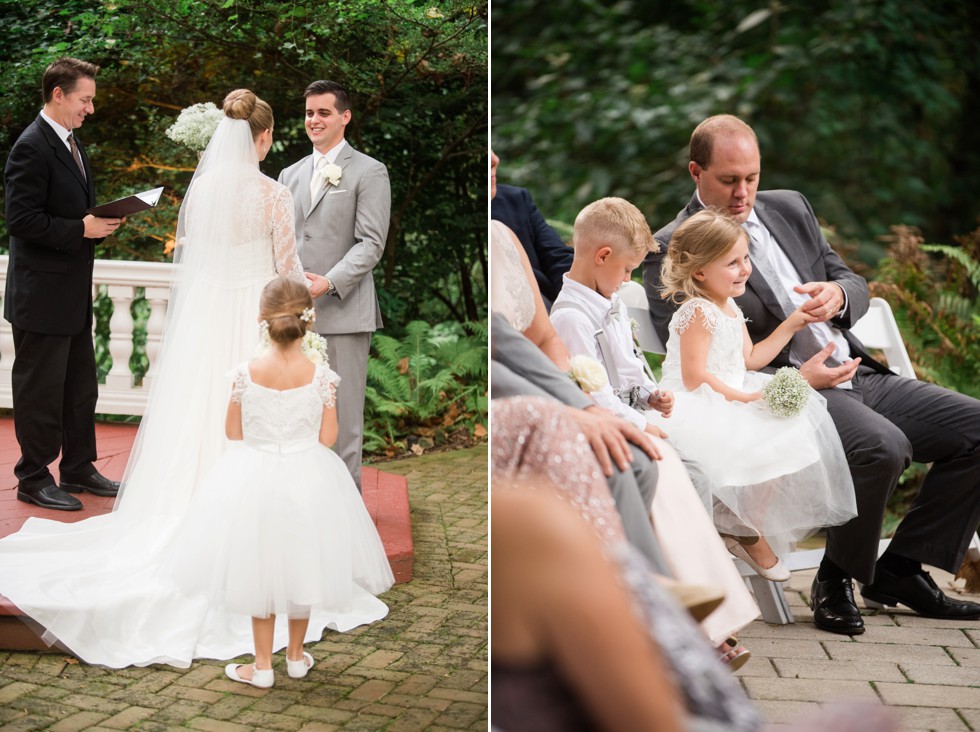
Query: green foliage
{"points": [[416, 71], [869, 108], [937, 305], [427, 387]]}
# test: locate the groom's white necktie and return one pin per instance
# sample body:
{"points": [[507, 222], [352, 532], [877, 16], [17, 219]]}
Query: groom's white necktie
{"points": [[316, 180]]}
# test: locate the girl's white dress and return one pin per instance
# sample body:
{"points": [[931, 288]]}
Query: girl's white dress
{"points": [[278, 526], [784, 476]]}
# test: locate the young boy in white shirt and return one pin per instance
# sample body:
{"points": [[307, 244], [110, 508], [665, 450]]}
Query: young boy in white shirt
{"points": [[611, 238]]}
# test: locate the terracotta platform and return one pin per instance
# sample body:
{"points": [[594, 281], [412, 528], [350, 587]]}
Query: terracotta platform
{"points": [[385, 495]]}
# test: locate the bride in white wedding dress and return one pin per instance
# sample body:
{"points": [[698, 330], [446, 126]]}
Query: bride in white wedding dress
{"points": [[98, 587]]}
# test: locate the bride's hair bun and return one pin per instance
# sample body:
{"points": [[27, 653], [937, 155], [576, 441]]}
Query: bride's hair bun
{"points": [[240, 104], [281, 306], [243, 104]]}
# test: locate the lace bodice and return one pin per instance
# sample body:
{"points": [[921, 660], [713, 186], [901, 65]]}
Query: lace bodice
{"points": [[725, 357], [283, 421], [262, 239], [510, 291]]}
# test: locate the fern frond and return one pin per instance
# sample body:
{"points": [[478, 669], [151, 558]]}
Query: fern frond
{"points": [[959, 256]]}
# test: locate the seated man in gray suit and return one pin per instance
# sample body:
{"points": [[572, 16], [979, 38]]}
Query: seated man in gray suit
{"points": [[519, 368], [884, 421]]}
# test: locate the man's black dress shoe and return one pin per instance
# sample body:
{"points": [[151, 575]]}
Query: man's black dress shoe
{"points": [[48, 495], [834, 608], [96, 484], [919, 592]]}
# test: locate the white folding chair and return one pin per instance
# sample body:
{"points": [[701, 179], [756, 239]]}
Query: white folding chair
{"points": [[878, 330]]}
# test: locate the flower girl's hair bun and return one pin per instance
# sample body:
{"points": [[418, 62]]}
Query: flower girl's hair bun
{"points": [[243, 104], [697, 242], [287, 308]]}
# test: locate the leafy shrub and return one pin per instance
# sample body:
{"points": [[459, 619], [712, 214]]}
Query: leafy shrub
{"points": [[426, 389]]}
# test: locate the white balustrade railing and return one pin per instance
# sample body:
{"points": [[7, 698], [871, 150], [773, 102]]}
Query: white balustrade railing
{"points": [[121, 282]]}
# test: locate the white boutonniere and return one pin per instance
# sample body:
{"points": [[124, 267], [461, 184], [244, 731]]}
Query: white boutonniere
{"points": [[331, 173], [587, 373]]}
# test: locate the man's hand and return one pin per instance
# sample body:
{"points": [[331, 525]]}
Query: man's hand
{"points": [[826, 299], [318, 284], [821, 376], [663, 402], [610, 436], [97, 227]]}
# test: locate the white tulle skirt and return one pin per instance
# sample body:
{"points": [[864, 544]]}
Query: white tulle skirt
{"points": [[280, 534], [783, 477]]}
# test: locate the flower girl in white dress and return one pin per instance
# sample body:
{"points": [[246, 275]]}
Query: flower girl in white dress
{"points": [[279, 527], [778, 478]]}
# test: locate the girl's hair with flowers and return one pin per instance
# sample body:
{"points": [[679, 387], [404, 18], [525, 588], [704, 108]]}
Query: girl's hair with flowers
{"points": [[698, 241], [285, 306]]}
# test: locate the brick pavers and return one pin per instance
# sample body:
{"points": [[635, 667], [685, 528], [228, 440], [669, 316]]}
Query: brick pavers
{"points": [[422, 667], [927, 670]]}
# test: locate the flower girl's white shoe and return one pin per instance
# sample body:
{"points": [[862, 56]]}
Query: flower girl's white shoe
{"points": [[262, 678], [775, 573], [299, 669]]}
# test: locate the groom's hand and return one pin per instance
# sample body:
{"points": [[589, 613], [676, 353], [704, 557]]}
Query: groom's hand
{"points": [[318, 284]]}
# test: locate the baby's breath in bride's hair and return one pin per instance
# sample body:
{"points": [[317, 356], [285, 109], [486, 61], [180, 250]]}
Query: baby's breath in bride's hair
{"points": [[787, 392], [195, 125]]}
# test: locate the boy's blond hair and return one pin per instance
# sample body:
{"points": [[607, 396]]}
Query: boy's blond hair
{"points": [[697, 242], [613, 222]]}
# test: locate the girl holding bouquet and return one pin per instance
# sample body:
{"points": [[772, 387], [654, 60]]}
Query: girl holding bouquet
{"points": [[776, 464]]}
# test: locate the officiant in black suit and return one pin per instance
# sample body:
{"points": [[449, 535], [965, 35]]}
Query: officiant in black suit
{"points": [[48, 299], [884, 420]]}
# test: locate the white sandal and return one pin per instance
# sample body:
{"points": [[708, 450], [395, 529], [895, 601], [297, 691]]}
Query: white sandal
{"points": [[299, 669], [261, 678]]}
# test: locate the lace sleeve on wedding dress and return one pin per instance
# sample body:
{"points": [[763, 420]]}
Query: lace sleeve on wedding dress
{"points": [[687, 312], [284, 236], [239, 381], [325, 382]]}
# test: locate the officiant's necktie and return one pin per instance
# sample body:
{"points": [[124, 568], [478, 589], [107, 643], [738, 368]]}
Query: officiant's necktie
{"points": [[805, 343], [316, 182], [75, 154]]}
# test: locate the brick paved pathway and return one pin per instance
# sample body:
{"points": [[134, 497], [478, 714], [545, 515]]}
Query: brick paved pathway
{"points": [[422, 667], [928, 670]]}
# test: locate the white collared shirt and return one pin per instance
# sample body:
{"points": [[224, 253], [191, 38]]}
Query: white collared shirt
{"points": [[788, 279], [60, 130], [577, 331], [330, 155]]}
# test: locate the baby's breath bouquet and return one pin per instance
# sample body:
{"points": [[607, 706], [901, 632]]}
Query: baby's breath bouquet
{"points": [[195, 125], [588, 373], [314, 347], [787, 392]]}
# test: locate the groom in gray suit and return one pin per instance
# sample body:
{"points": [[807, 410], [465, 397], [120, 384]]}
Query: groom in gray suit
{"points": [[342, 201]]}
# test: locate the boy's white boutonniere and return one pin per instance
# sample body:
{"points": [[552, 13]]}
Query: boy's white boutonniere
{"points": [[314, 347], [587, 373], [787, 392], [635, 331], [195, 125]]}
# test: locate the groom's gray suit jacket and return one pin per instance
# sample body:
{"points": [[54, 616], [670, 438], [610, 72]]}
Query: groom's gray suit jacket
{"points": [[341, 234]]}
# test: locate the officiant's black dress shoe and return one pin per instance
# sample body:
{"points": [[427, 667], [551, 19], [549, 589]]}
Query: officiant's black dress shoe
{"points": [[96, 484], [920, 593], [48, 495], [834, 609]]}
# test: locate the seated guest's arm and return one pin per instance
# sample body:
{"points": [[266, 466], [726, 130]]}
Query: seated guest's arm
{"points": [[554, 255], [660, 310]]}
